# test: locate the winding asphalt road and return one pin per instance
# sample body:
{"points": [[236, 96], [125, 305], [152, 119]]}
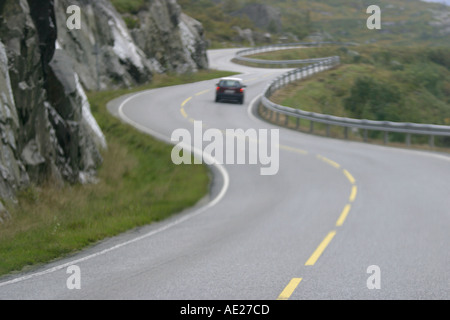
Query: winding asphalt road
{"points": [[311, 231]]}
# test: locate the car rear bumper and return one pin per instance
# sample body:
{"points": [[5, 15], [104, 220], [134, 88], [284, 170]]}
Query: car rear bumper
{"points": [[229, 96]]}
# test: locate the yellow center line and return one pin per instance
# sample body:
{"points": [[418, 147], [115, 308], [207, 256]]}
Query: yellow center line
{"points": [[349, 177], [343, 215], [293, 149], [183, 112], [268, 75], [354, 193], [287, 292], [320, 249], [203, 92], [252, 79], [330, 162], [186, 101]]}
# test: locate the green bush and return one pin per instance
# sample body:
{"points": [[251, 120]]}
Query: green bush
{"points": [[372, 99]]}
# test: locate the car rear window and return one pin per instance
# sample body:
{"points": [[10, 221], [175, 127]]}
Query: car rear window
{"points": [[229, 83]]}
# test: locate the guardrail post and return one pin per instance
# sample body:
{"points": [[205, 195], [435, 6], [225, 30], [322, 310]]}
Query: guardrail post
{"points": [[408, 139], [386, 137], [297, 126], [311, 127], [431, 141], [365, 135], [286, 120], [346, 133], [328, 130]]}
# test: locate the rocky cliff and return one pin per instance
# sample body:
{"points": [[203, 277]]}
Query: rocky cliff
{"points": [[47, 132], [107, 53], [174, 39]]}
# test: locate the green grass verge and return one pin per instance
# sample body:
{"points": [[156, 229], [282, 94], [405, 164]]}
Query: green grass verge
{"points": [[138, 185]]}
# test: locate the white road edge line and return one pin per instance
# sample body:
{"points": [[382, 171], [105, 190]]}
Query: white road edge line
{"points": [[251, 106], [212, 203]]}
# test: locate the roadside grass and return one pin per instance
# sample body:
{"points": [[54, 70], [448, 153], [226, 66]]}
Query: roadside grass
{"points": [[138, 185], [322, 92]]}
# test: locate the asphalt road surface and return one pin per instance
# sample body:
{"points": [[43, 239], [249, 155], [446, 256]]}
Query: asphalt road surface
{"points": [[339, 220]]}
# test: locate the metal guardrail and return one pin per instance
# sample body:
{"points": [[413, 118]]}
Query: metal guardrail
{"points": [[241, 55], [272, 109]]}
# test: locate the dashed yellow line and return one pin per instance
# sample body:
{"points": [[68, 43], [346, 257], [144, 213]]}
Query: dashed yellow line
{"points": [[290, 288], [320, 249], [292, 149], [186, 101], [354, 193], [343, 215], [183, 112], [202, 92], [330, 162], [349, 177], [268, 75], [249, 80]]}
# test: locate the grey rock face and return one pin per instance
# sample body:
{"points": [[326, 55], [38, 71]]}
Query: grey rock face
{"points": [[174, 39], [45, 132], [192, 36], [106, 54], [263, 16], [12, 173], [102, 52], [4, 214]]}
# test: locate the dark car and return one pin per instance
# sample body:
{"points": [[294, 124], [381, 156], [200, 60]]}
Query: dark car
{"points": [[230, 89]]}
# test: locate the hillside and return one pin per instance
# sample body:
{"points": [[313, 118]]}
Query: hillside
{"points": [[403, 21], [403, 84]]}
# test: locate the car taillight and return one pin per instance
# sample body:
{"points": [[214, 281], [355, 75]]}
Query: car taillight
{"points": [[218, 88], [241, 90]]}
